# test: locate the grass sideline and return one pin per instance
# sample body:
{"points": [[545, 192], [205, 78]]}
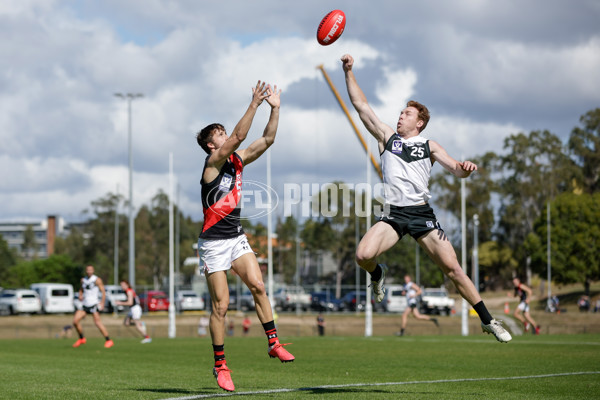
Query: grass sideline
{"points": [[416, 367]]}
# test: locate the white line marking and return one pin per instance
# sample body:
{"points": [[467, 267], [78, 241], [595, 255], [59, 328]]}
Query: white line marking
{"points": [[272, 391]]}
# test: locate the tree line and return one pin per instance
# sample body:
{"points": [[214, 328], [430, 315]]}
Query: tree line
{"points": [[510, 194]]}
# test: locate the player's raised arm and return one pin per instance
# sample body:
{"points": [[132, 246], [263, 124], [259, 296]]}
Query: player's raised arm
{"points": [[373, 124], [457, 168], [239, 133], [260, 145]]}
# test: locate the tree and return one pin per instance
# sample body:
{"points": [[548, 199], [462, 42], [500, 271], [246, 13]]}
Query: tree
{"points": [[30, 245], [575, 239], [8, 258], [56, 268], [534, 169], [584, 144]]}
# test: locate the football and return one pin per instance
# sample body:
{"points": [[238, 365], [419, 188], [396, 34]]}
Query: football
{"points": [[331, 27]]}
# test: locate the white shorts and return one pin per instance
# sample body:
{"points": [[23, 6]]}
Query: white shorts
{"points": [[218, 254], [135, 312], [523, 306]]}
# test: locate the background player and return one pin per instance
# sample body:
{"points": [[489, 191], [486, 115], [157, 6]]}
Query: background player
{"points": [[91, 289], [412, 291], [523, 292], [134, 314]]}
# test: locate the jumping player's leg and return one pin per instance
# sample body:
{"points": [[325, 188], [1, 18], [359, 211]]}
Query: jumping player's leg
{"points": [[246, 266], [248, 269], [439, 248], [378, 239], [219, 294]]}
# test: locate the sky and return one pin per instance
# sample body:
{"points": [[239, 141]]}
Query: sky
{"points": [[485, 69]]}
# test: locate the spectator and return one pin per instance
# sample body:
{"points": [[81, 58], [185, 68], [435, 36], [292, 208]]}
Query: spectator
{"points": [[321, 324], [202, 325], [584, 303], [246, 325]]}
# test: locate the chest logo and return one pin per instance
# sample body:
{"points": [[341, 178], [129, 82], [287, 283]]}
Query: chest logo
{"points": [[397, 146], [225, 182]]}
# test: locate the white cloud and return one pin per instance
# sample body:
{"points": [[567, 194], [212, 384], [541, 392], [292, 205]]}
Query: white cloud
{"points": [[64, 134]]}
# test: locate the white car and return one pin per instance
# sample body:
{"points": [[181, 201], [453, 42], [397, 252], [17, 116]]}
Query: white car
{"points": [[20, 301], [114, 293], [436, 301], [188, 300]]}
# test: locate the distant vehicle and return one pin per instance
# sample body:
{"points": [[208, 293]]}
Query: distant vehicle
{"points": [[55, 297], [114, 293], [19, 301], [76, 302], [324, 301], [349, 303], [188, 300], [290, 297], [247, 301], [395, 298], [436, 301], [154, 300]]}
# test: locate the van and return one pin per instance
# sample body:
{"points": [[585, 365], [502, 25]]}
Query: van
{"points": [[395, 298], [55, 297], [114, 293]]}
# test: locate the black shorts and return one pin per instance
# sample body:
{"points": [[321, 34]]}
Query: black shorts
{"points": [[90, 310], [414, 220]]}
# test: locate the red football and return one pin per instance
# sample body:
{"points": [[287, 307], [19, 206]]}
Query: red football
{"points": [[331, 27]]}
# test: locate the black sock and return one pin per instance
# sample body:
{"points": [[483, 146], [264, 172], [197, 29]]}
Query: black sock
{"points": [[376, 273], [271, 332], [107, 338], [483, 313], [219, 353], [81, 336]]}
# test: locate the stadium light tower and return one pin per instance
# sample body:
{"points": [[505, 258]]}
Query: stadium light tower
{"points": [[130, 97]]}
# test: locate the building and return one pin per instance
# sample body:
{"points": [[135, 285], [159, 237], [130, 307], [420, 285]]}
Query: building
{"points": [[45, 232]]}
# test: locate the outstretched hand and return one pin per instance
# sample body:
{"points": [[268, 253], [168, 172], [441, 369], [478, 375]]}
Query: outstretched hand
{"points": [[273, 98], [259, 93], [468, 167], [347, 62]]}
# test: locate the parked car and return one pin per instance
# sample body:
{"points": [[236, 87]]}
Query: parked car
{"points": [[188, 300], [247, 301], [114, 293], [19, 301], [395, 298], [436, 301], [154, 300], [349, 303], [289, 297], [324, 301], [55, 297]]}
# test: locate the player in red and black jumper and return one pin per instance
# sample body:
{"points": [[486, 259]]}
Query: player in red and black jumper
{"points": [[222, 244], [523, 292]]}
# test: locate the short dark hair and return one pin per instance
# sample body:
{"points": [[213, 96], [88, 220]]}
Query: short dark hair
{"points": [[204, 136], [423, 112]]}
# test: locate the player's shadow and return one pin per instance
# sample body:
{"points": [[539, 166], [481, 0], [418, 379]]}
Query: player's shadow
{"points": [[177, 391]]}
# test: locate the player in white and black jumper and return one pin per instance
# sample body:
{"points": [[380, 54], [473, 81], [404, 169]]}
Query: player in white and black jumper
{"points": [[406, 160], [222, 243], [92, 296]]}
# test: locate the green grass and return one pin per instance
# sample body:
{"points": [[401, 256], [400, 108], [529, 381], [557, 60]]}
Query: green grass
{"points": [[174, 368]]}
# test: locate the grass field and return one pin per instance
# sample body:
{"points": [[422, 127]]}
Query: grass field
{"points": [[416, 367]]}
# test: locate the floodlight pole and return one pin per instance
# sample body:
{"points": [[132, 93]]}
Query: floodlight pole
{"points": [[130, 97]]}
